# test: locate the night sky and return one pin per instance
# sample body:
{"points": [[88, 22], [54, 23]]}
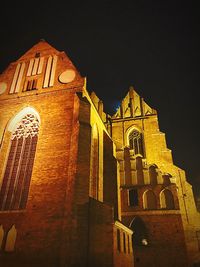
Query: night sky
{"points": [[151, 45]]}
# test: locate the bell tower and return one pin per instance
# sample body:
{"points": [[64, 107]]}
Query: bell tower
{"points": [[151, 186]]}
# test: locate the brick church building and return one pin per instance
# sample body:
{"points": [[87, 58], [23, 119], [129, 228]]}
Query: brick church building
{"points": [[81, 188]]}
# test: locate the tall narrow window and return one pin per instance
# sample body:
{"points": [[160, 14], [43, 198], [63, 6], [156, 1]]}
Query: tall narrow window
{"points": [[17, 176], [149, 200], [135, 142], [167, 199], [133, 197], [153, 175], [30, 85]]}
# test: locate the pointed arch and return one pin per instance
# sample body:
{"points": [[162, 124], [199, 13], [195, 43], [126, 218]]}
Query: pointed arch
{"points": [[153, 174], [139, 168], [14, 189], [149, 200], [94, 163], [11, 239], [166, 199], [135, 141], [140, 233], [19, 116]]}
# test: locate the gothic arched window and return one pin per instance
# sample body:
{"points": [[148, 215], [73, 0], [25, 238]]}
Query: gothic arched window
{"points": [[17, 176], [166, 199], [135, 142], [149, 200]]}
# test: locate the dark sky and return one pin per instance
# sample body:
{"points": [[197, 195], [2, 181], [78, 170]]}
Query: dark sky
{"points": [[151, 45]]}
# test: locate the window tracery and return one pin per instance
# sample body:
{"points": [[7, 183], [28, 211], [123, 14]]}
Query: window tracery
{"points": [[135, 142], [16, 180]]}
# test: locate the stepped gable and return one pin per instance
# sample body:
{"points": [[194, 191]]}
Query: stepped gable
{"points": [[40, 69], [133, 106]]}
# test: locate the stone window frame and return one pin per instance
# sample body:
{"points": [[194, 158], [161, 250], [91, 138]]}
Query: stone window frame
{"points": [[13, 132], [167, 207], [139, 149], [145, 200]]}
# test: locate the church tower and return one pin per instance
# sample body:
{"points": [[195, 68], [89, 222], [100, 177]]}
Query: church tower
{"points": [[79, 187], [157, 202]]}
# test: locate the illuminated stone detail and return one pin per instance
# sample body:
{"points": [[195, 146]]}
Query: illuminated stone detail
{"points": [[17, 176], [13, 85], [30, 67], [17, 79], [3, 87], [67, 76], [50, 71], [133, 106], [29, 125], [53, 70], [166, 199], [35, 66], [59, 192], [41, 63]]}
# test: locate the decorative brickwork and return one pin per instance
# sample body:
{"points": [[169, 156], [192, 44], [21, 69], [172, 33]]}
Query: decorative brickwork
{"points": [[81, 188]]}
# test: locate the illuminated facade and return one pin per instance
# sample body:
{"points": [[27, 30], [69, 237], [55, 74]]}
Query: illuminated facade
{"points": [[79, 187], [157, 202]]}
